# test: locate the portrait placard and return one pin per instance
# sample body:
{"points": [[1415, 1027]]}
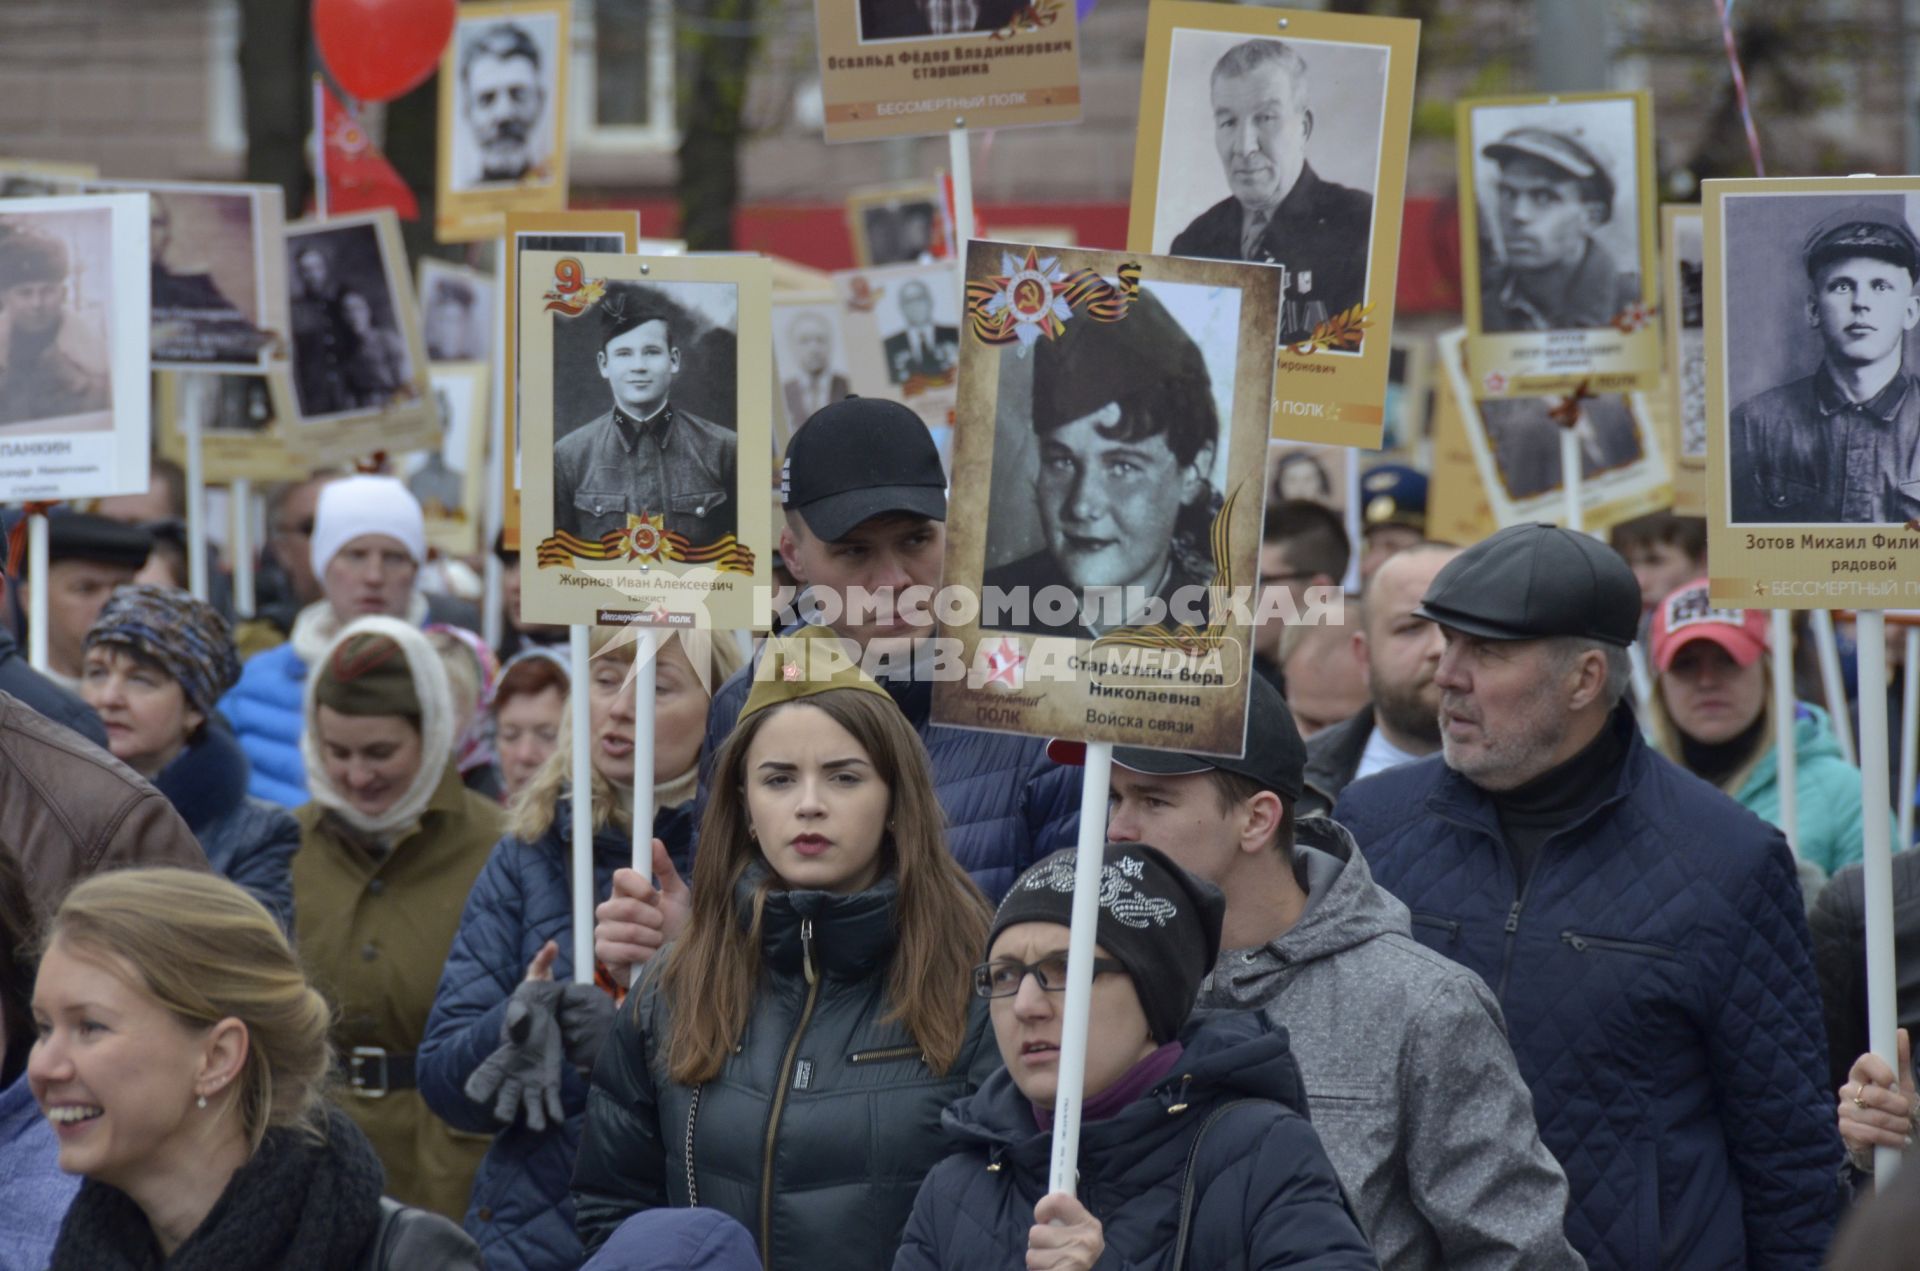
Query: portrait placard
{"points": [[809, 357], [617, 232], [1308, 116], [457, 318], [1457, 507], [900, 224], [902, 330], [1409, 398], [1682, 248], [1559, 243], [1105, 512], [359, 367], [38, 179], [242, 417], [1813, 412], [448, 480], [1303, 470], [903, 68], [1516, 446], [219, 285], [75, 395], [645, 402], [503, 102]]}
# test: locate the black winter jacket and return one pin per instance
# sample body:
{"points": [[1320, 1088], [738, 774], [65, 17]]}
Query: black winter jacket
{"points": [[1264, 1193], [1839, 923], [819, 1130], [250, 841]]}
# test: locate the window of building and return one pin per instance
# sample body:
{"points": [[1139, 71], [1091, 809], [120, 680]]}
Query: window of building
{"points": [[623, 76]]}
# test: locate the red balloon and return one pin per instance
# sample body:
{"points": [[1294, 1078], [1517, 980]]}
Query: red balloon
{"points": [[381, 49]]}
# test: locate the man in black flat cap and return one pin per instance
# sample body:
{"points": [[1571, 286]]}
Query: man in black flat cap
{"points": [[42, 374], [87, 557], [1645, 935], [1127, 430], [1841, 445], [644, 456], [1554, 193]]}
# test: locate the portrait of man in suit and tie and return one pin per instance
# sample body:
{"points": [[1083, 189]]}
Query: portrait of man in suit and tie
{"points": [[811, 375], [923, 347]]}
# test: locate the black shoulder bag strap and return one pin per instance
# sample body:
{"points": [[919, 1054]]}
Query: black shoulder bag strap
{"points": [[1187, 1179]]}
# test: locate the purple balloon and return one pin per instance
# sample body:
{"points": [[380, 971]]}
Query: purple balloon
{"points": [[1084, 7]]}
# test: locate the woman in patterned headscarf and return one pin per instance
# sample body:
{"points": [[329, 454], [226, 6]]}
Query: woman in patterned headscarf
{"points": [[157, 661]]}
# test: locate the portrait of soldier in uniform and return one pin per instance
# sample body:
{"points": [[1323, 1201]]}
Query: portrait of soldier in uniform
{"points": [[924, 348], [349, 350], [644, 456], [448, 321], [50, 366], [1549, 270], [1279, 211], [808, 354], [194, 319], [504, 96], [1841, 445], [910, 19], [1127, 428]]}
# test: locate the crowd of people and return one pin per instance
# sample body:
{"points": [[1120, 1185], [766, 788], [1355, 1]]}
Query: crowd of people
{"points": [[1476, 957]]}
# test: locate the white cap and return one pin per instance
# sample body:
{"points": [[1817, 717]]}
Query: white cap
{"points": [[355, 506]]}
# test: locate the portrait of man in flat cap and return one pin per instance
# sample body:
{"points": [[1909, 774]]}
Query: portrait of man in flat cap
{"points": [[1127, 428], [52, 364], [645, 454], [505, 98], [1839, 445]]}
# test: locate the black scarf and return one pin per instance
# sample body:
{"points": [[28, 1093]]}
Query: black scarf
{"points": [[298, 1205], [1717, 761]]}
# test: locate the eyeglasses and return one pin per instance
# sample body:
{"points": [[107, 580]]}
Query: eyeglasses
{"points": [[293, 529], [1004, 978]]}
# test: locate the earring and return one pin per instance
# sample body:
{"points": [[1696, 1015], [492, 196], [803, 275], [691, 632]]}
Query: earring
{"points": [[753, 835], [201, 1102]]}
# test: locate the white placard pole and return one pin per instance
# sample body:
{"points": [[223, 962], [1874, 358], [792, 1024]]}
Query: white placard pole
{"points": [[37, 592], [493, 621], [646, 653], [1877, 863], [578, 693], [1786, 759], [319, 148], [960, 163], [1090, 857], [1356, 540], [1571, 476], [196, 496], [1909, 733], [241, 544], [1642, 679], [1832, 684]]}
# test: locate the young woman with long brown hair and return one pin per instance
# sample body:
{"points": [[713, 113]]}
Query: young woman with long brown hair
{"points": [[787, 1059]]}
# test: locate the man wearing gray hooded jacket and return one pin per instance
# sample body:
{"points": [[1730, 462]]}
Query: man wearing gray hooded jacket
{"points": [[1411, 1084]]}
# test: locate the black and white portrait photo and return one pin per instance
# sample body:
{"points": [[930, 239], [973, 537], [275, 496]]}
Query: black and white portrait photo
{"points": [[1317, 474], [456, 311], [1270, 152], [57, 299], [1687, 289], [1110, 459], [810, 356], [645, 411], [920, 331], [1557, 194], [350, 348], [236, 405], [506, 100], [924, 19], [1525, 441], [1819, 360], [895, 231]]}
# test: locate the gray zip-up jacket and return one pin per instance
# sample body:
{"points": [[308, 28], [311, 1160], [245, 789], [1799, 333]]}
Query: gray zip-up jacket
{"points": [[1410, 1081]]}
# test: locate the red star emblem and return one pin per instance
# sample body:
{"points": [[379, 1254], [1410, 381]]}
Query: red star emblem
{"points": [[790, 672], [1005, 664], [1495, 382]]}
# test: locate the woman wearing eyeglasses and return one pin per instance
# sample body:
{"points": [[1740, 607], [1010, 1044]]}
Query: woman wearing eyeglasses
{"points": [[1191, 1128], [786, 1059]]}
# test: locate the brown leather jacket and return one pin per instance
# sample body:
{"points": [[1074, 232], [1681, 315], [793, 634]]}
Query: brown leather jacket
{"points": [[69, 809]]}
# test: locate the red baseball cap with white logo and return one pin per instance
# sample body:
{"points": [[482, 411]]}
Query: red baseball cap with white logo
{"points": [[1689, 614]]}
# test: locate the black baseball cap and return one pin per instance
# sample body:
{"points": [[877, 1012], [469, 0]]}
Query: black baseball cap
{"points": [[859, 458], [1276, 756], [1533, 582]]}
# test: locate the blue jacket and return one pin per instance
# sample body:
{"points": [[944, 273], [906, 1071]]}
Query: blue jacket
{"points": [[248, 840], [1658, 983], [34, 1193], [1007, 804], [264, 708], [521, 1213], [677, 1240], [1265, 1194]]}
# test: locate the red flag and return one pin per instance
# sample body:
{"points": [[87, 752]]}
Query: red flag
{"points": [[359, 178]]}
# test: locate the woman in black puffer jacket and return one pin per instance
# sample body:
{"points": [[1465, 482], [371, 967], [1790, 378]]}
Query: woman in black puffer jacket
{"points": [[786, 1060]]}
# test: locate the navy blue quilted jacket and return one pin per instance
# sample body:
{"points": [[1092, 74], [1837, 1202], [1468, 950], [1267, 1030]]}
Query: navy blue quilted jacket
{"points": [[1007, 804], [520, 1213], [1658, 983]]}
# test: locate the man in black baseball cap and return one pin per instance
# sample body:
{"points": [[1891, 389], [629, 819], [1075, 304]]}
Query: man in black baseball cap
{"points": [[1842, 445], [1596, 887], [1554, 192], [1312, 942]]}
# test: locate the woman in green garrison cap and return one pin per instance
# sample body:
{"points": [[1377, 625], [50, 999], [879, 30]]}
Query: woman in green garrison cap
{"points": [[389, 848], [787, 1058]]}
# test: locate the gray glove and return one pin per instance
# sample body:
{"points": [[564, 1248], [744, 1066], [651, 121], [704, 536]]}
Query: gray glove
{"points": [[522, 1077], [586, 1013]]}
